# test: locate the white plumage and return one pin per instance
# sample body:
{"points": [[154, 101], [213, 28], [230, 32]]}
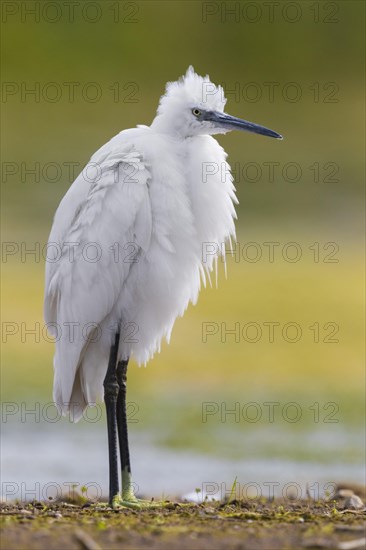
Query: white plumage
{"points": [[147, 190], [137, 218]]}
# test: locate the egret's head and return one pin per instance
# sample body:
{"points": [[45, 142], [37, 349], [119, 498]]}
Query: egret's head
{"points": [[195, 106]]}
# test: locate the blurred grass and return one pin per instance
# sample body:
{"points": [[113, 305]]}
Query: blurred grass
{"points": [[170, 391], [305, 292]]}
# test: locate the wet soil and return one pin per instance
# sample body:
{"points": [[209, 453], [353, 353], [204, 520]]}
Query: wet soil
{"points": [[239, 525]]}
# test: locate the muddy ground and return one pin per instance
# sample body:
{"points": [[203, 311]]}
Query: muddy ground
{"points": [[236, 525]]}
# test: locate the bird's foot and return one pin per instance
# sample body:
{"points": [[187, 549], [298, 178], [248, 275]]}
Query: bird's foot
{"points": [[131, 501], [127, 498]]}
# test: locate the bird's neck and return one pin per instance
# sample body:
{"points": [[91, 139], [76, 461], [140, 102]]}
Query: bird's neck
{"points": [[163, 124]]}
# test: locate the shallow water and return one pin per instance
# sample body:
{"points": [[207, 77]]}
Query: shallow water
{"points": [[41, 461]]}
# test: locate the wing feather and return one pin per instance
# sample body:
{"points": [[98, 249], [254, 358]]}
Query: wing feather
{"points": [[93, 225]]}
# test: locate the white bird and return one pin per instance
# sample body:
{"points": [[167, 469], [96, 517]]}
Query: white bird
{"points": [[130, 233]]}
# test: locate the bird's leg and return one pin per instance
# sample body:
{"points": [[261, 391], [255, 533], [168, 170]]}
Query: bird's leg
{"points": [[110, 397], [127, 490], [128, 497]]}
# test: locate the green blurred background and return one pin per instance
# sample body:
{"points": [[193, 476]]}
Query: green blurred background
{"points": [[317, 65]]}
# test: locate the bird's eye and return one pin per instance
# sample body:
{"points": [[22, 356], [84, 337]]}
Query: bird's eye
{"points": [[196, 112]]}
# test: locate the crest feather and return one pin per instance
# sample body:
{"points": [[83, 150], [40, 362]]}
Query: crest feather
{"points": [[193, 89]]}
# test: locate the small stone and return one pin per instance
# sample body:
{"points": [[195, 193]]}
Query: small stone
{"points": [[25, 512], [54, 514], [354, 503], [357, 488]]}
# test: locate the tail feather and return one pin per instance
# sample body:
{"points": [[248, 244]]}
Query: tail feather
{"points": [[86, 388], [76, 404]]}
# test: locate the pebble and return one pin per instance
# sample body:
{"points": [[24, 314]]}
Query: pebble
{"points": [[55, 514], [25, 512], [354, 503]]}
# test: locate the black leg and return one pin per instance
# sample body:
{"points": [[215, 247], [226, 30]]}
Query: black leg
{"points": [[122, 430], [111, 389]]}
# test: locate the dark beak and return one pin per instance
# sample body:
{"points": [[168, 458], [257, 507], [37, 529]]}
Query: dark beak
{"points": [[229, 122]]}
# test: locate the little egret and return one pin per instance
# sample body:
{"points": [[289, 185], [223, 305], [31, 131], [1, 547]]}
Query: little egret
{"points": [[130, 231]]}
